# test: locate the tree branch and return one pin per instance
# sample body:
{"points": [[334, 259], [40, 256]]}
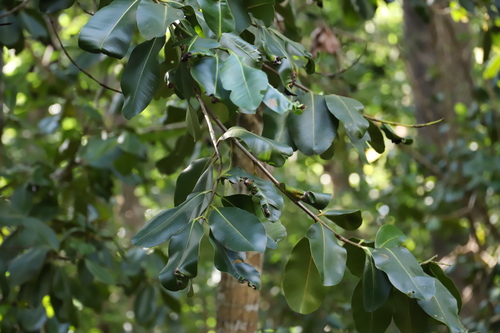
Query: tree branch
{"points": [[275, 181], [15, 9], [393, 123], [335, 75], [76, 65]]}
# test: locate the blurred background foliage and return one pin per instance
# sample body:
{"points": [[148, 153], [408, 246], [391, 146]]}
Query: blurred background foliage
{"points": [[77, 180]]}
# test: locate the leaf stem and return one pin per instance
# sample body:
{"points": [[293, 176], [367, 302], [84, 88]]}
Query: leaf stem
{"points": [[74, 62], [274, 180], [393, 123]]}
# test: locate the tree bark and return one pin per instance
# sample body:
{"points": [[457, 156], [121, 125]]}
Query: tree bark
{"points": [[238, 304]]}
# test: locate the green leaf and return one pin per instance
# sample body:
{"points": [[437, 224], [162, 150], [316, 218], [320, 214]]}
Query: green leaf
{"points": [[110, 30], [102, 274], [317, 200], [197, 175], [197, 45], [443, 307], [360, 145], [389, 236], [206, 71], [391, 135], [492, 68], [225, 261], [408, 315], [369, 322], [302, 285], [376, 286], [356, 256], [240, 14], [32, 319], [141, 77], [251, 55], [266, 194], [347, 110], [167, 223], [53, 6], [404, 272], [262, 10], [145, 308], [434, 270], [313, 131], [237, 230], [154, 18], [276, 232], [247, 84], [183, 252], [349, 219], [328, 255], [34, 23], [193, 123], [267, 150], [184, 147], [376, 138], [276, 101], [27, 265], [43, 231], [218, 16], [276, 127]]}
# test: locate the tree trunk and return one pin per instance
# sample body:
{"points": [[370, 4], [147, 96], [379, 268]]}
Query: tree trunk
{"points": [[238, 304]]}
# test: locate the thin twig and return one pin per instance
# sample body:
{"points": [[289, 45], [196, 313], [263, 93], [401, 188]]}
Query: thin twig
{"points": [[393, 123], [74, 63], [334, 75], [274, 180], [84, 10], [15, 9], [213, 138]]}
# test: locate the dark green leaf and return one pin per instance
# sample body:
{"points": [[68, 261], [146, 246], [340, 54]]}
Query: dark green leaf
{"points": [[389, 236], [347, 110], [276, 101], [349, 219], [434, 270], [141, 77], [391, 135], [27, 265], [154, 18], [193, 123], [206, 71], [101, 273], [328, 255], [110, 30], [183, 252], [197, 45], [247, 84], [443, 307], [32, 21], [302, 285], [145, 307], [267, 150], [240, 47], [276, 127], [197, 174], [266, 195], [376, 138], [360, 145], [276, 232], [356, 256], [408, 315], [218, 16], [317, 200], [313, 131], [33, 319], [404, 272], [12, 34], [369, 322], [262, 10], [237, 230], [43, 231], [240, 14], [184, 147], [53, 6], [130, 143], [164, 225], [22, 199], [376, 286]]}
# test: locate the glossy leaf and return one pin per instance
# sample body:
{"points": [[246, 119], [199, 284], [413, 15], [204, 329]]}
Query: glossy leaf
{"points": [[276, 127], [434, 270], [376, 138], [266, 150], [391, 135], [110, 30], [206, 71], [218, 16], [154, 18], [267, 196], [167, 223], [369, 322], [241, 18], [302, 285], [251, 56], [197, 175], [141, 77], [226, 261], [53, 6], [193, 126], [349, 219], [276, 101], [348, 111], [183, 252], [262, 10], [247, 84], [27, 265], [389, 236], [276, 232], [317, 200], [237, 230], [356, 256], [197, 45], [404, 272], [376, 286], [328, 255], [408, 315], [313, 131], [443, 307]]}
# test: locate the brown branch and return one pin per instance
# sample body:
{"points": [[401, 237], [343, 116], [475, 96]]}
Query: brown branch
{"points": [[15, 9], [76, 65], [335, 75], [275, 181]]}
